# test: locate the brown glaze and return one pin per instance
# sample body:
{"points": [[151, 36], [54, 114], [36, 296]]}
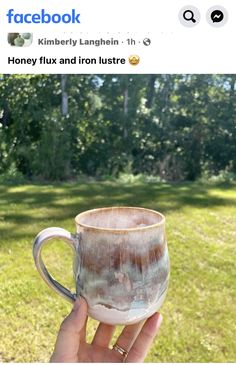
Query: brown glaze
{"points": [[119, 256]]}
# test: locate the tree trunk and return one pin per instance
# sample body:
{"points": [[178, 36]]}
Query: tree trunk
{"points": [[232, 86], [150, 91], [64, 96], [5, 120], [126, 111]]}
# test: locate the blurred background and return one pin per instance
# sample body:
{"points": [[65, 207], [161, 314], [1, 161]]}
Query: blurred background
{"points": [[69, 143], [176, 127]]}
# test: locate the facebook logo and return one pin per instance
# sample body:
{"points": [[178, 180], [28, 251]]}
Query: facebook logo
{"points": [[43, 17]]}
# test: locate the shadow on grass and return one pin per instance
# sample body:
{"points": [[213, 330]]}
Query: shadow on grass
{"points": [[27, 205]]}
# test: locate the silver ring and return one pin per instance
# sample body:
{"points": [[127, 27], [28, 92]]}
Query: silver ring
{"points": [[121, 351]]}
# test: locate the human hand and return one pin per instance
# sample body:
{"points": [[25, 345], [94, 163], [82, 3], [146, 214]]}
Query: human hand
{"points": [[132, 344]]}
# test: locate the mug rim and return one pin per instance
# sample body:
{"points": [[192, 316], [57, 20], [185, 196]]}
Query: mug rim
{"points": [[119, 230]]}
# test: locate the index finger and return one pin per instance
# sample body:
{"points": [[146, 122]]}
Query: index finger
{"points": [[68, 340]]}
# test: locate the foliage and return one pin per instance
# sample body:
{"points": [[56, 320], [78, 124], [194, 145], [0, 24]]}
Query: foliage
{"points": [[12, 176], [176, 127], [199, 311]]}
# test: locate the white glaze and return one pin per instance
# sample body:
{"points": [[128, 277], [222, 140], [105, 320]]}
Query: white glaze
{"points": [[115, 317]]}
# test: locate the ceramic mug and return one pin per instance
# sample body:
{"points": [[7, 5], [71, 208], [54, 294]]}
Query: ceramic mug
{"points": [[121, 262]]}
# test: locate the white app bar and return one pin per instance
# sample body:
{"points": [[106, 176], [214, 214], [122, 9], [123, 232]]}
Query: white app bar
{"points": [[104, 36]]}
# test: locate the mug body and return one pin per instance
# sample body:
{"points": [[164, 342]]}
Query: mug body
{"points": [[121, 264]]}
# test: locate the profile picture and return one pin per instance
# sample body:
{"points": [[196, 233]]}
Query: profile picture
{"points": [[20, 39]]}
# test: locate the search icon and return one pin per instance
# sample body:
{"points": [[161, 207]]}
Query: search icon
{"points": [[189, 16]]}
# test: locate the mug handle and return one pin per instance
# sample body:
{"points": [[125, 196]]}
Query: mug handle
{"points": [[42, 238]]}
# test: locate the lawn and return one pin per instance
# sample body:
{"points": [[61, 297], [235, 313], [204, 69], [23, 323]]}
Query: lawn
{"points": [[200, 309]]}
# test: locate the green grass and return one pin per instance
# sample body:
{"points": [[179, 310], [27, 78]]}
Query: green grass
{"points": [[199, 312]]}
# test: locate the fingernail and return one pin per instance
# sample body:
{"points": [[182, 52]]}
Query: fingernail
{"points": [[159, 320]]}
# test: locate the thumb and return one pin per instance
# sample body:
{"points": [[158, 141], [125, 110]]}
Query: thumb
{"points": [[69, 336]]}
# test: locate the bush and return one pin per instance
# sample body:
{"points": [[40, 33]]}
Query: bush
{"points": [[221, 177], [52, 157], [12, 176]]}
